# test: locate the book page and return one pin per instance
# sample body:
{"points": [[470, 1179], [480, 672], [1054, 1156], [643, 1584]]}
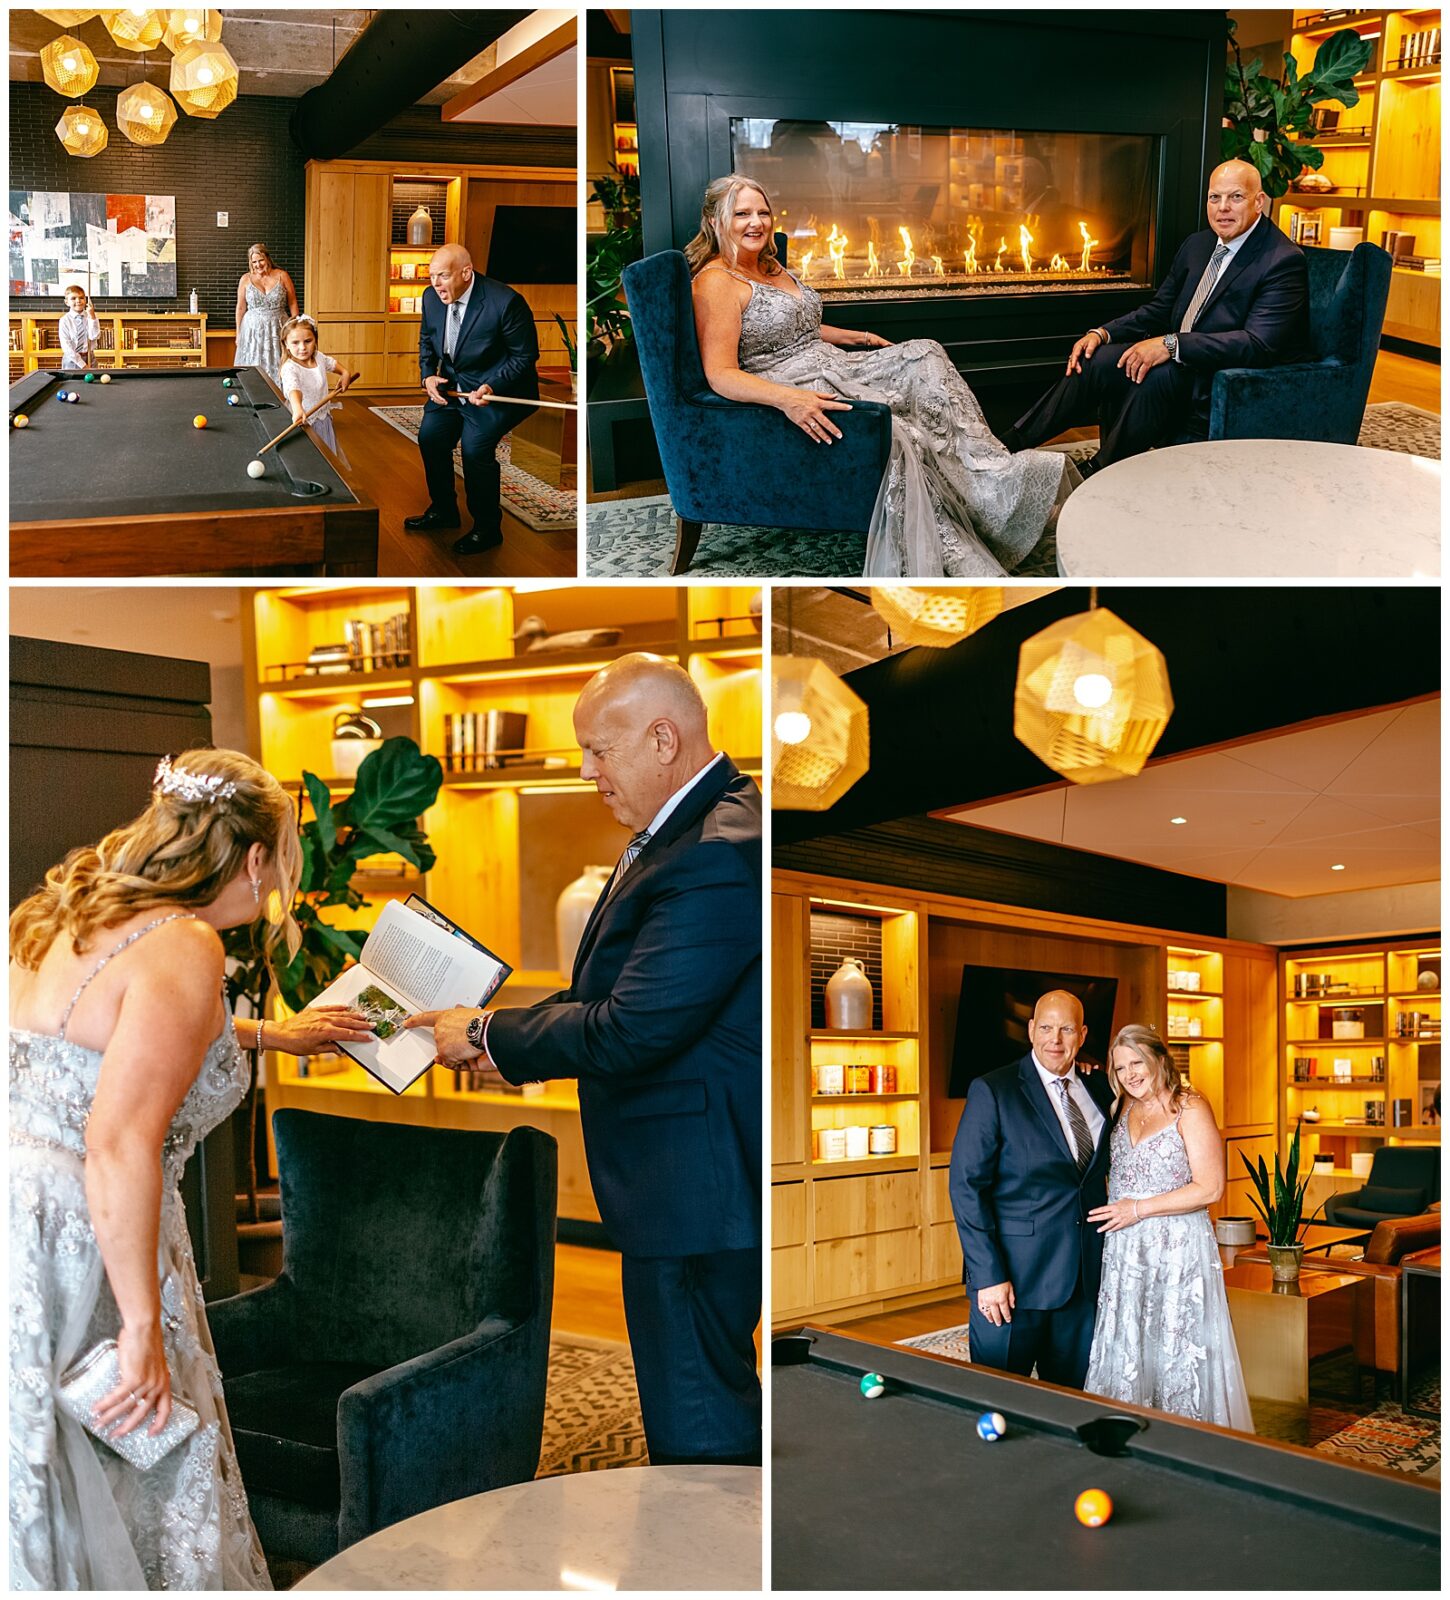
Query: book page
{"points": [[424, 964], [398, 1055]]}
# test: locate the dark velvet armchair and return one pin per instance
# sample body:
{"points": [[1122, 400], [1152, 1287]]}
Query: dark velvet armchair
{"points": [[1323, 398], [400, 1360], [1404, 1181], [745, 465]]}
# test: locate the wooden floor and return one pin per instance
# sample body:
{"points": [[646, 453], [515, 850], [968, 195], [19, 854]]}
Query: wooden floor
{"points": [[387, 469], [1396, 377], [587, 1297]]}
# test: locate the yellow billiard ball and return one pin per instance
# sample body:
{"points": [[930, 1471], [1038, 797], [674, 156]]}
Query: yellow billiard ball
{"points": [[20, 420], [1093, 1508], [198, 421]]}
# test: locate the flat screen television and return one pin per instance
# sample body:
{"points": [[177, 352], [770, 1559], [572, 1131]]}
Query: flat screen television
{"points": [[994, 1013], [533, 244]]}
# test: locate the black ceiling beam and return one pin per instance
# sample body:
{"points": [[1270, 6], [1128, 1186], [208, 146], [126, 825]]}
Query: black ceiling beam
{"points": [[397, 59], [1241, 662]]}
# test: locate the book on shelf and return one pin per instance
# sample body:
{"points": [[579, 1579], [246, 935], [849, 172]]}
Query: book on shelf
{"points": [[415, 959]]}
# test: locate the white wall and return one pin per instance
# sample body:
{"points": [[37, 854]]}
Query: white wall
{"points": [[1321, 918]]}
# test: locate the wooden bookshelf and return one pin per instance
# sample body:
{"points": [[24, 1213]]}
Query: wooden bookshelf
{"points": [[507, 838], [128, 339], [850, 1237], [1386, 160]]}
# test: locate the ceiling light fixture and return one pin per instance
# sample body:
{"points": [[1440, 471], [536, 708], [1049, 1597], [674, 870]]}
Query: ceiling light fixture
{"points": [[81, 131], [922, 614], [1178, 821], [1337, 867], [68, 67], [134, 28], [820, 741], [189, 26], [145, 114], [203, 79]]}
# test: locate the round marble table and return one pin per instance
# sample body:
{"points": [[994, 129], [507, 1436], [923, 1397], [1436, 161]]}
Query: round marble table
{"points": [[622, 1528], [1255, 508]]}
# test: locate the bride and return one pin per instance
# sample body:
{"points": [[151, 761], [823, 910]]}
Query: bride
{"points": [[954, 502], [1163, 1337], [123, 1056]]}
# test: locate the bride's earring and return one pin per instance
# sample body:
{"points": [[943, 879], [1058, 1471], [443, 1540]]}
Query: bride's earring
{"points": [[256, 891]]}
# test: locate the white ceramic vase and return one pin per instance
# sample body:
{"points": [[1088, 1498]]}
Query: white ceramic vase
{"points": [[571, 912], [849, 997]]}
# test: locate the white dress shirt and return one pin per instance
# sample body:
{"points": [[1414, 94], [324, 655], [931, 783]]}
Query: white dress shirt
{"points": [[1085, 1103]]}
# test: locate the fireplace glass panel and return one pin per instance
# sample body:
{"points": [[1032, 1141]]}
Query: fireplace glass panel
{"points": [[886, 210]]}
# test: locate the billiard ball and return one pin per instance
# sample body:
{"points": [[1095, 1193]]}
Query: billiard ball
{"points": [[255, 469], [105, 377], [873, 1386], [20, 420], [234, 399], [991, 1425], [198, 421], [1093, 1508], [62, 395], [226, 383], [90, 377]]}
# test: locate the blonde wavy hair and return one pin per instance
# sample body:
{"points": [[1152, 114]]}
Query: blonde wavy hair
{"points": [[713, 241], [178, 853], [1147, 1044]]}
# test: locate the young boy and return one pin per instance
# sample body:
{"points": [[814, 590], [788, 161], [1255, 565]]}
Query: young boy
{"points": [[80, 332]]}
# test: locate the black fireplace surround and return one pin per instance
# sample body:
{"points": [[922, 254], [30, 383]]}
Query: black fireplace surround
{"points": [[966, 129]]}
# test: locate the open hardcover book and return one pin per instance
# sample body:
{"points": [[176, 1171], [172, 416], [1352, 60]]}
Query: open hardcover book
{"points": [[415, 959]]}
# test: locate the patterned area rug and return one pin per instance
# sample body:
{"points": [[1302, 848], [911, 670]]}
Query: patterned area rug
{"points": [[1387, 1437], [636, 538], [535, 503], [591, 1415], [950, 1342]]}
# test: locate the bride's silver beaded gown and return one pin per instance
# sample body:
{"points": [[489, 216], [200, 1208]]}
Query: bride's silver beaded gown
{"points": [[80, 1516], [1163, 1337], [955, 502]]}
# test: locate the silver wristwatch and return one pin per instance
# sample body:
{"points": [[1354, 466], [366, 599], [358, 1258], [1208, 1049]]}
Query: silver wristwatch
{"points": [[474, 1030], [1170, 344]]}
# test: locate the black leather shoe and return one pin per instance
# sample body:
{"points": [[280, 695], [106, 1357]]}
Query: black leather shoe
{"points": [[476, 541], [430, 519]]}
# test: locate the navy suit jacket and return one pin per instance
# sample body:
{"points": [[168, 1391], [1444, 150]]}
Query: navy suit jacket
{"points": [[1020, 1204], [661, 1026], [497, 344], [1257, 315]]}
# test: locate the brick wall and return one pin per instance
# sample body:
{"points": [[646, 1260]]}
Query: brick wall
{"points": [[244, 163], [834, 936]]}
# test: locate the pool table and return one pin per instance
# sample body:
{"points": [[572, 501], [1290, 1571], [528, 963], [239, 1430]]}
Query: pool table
{"points": [[900, 1493], [120, 484]]}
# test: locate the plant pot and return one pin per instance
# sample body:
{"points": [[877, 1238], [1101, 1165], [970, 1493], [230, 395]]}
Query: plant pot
{"points": [[1285, 1261]]}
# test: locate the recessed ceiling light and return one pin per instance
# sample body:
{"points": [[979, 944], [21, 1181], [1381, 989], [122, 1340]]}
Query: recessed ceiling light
{"points": [[1337, 867], [1178, 821]]}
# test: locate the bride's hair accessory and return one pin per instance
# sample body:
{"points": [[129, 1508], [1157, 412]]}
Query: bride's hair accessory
{"points": [[191, 785]]}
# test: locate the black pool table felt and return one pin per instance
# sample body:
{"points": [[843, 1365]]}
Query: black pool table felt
{"points": [[899, 1492], [128, 448]]}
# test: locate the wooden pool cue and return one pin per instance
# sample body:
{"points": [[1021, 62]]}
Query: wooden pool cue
{"points": [[514, 400], [291, 427]]}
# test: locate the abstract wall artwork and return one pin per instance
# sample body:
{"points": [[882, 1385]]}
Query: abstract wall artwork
{"points": [[113, 245]]}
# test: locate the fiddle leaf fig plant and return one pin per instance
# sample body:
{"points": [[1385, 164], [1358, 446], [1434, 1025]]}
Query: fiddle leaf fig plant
{"points": [[1268, 123]]}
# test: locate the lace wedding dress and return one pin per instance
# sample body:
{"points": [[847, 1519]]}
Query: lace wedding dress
{"points": [[1163, 1336], [80, 1516], [955, 502], [259, 339]]}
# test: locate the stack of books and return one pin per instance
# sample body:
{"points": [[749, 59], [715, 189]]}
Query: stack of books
{"points": [[1420, 49]]}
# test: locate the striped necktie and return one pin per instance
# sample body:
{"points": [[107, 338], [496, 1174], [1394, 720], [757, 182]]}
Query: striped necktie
{"points": [[1078, 1123], [1205, 287], [455, 317], [626, 861]]}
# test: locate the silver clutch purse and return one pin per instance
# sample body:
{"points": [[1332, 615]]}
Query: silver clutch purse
{"points": [[89, 1379]]}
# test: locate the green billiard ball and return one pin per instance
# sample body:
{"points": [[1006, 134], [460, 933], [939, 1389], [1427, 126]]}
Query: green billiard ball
{"points": [[226, 383], [90, 377]]}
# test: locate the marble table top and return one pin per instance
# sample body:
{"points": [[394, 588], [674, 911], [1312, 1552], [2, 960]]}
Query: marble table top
{"points": [[620, 1528], [1255, 508]]}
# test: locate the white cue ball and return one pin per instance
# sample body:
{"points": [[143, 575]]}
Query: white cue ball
{"points": [[105, 377], [255, 469]]}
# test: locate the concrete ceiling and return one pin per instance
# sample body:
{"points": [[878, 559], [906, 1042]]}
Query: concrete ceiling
{"points": [[1275, 814], [839, 626], [282, 53]]}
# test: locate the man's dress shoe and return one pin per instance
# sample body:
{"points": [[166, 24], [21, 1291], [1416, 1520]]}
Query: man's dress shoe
{"points": [[430, 519], [476, 541]]}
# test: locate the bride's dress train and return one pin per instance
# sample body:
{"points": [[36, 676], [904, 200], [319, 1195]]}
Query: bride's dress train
{"points": [[955, 502]]}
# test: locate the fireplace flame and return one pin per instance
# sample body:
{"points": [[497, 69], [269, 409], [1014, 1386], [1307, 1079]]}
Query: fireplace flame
{"points": [[937, 267], [806, 260], [1087, 246], [904, 267], [969, 255], [1058, 264], [1001, 250], [1025, 242], [873, 266], [836, 244]]}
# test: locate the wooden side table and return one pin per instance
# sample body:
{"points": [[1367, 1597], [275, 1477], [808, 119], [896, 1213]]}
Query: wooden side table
{"points": [[1280, 1327]]}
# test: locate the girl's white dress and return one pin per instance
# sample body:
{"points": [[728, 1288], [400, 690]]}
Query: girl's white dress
{"points": [[312, 383]]}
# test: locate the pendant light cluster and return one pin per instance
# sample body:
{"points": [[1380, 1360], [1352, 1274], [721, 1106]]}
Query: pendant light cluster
{"points": [[203, 82], [819, 737]]}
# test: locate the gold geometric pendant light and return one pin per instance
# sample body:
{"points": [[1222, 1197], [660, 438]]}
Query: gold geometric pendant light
{"points": [[67, 19], [135, 29], [921, 614], [145, 114], [820, 743], [68, 67], [82, 132], [1092, 697], [190, 25], [203, 79]]}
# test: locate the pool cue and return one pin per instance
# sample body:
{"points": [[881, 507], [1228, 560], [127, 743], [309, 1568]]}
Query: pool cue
{"points": [[514, 400], [301, 421]]}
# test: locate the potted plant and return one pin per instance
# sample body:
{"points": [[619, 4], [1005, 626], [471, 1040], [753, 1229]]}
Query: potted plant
{"points": [[571, 349], [394, 785], [1282, 1208], [1268, 123], [622, 243]]}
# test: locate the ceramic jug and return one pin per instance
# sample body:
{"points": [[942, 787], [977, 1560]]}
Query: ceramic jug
{"points": [[849, 997], [571, 912]]}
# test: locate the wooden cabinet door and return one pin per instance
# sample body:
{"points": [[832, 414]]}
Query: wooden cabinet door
{"points": [[332, 230], [369, 241]]}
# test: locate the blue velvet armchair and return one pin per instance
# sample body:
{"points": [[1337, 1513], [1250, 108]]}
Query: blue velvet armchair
{"points": [[400, 1360], [741, 464], [1322, 398], [1404, 1181]]}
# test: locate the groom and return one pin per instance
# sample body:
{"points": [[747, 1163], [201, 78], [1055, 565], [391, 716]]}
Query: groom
{"points": [[1237, 295], [660, 1024], [1030, 1160]]}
